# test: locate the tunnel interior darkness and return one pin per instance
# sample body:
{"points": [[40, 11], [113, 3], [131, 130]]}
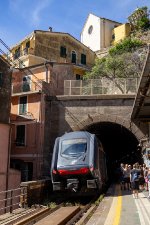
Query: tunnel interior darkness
{"points": [[119, 143]]}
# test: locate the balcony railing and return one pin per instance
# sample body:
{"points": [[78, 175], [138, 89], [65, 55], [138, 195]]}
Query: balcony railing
{"points": [[32, 86], [12, 199], [102, 86], [19, 87]]}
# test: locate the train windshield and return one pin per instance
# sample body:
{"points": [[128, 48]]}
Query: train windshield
{"points": [[74, 147]]}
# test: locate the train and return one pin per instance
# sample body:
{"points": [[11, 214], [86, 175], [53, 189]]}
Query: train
{"points": [[78, 163]]}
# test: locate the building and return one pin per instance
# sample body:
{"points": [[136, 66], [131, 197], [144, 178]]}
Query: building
{"points": [[121, 32], [7, 175], [30, 86], [41, 46], [97, 32], [44, 60]]}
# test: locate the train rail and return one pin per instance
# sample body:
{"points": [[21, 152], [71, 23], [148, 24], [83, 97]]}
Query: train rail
{"points": [[60, 215]]}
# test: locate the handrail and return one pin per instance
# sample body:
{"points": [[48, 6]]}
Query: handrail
{"points": [[11, 198]]}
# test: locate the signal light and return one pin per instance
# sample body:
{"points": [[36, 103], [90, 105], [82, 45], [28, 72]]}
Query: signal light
{"points": [[54, 171], [70, 172]]}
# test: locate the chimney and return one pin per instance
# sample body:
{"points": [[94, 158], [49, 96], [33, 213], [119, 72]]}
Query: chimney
{"points": [[50, 29]]}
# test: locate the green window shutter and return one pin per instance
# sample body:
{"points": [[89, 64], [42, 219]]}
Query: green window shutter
{"points": [[23, 105], [63, 52], [83, 59]]}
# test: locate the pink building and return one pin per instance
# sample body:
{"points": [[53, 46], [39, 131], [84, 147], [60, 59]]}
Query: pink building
{"points": [[8, 178]]}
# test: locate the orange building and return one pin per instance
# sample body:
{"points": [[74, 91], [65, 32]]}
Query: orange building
{"points": [[8, 178], [49, 58], [29, 88]]}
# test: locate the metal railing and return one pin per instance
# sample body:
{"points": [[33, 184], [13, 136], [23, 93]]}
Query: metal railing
{"points": [[19, 87], [102, 86], [12, 199]]}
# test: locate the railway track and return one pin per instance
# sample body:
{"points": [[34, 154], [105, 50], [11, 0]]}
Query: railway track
{"points": [[60, 215]]}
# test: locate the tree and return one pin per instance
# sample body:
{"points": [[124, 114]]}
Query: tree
{"points": [[139, 19], [126, 65]]}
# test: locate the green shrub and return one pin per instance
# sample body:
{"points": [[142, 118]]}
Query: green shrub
{"points": [[127, 45]]}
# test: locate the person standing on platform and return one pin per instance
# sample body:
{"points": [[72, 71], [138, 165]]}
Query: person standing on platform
{"points": [[145, 177], [134, 178], [122, 184], [148, 178], [127, 171]]}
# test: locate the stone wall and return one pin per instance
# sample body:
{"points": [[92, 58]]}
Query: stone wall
{"points": [[64, 114]]}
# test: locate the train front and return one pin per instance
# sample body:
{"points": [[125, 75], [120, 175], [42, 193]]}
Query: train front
{"points": [[72, 164]]}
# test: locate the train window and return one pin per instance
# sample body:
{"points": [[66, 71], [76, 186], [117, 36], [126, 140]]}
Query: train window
{"points": [[74, 148]]}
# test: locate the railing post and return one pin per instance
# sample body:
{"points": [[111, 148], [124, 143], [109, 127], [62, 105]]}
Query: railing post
{"points": [[125, 86], [70, 88], [91, 87], [11, 201], [80, 87]]}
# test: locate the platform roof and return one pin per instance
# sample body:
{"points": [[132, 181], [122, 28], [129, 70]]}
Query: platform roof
{"points": [[141, 107]]}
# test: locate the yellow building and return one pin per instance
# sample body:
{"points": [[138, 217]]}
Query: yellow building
{"points": [[42, 46], [121, 32]]}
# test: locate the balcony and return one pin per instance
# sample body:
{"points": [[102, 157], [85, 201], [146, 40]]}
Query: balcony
{"points": [[23, 87]]}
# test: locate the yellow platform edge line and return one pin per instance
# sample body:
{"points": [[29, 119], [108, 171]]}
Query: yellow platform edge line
{"points": [[118, 208]]}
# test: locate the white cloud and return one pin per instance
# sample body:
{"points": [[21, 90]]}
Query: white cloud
{"points": [[36, 13], [29, 10]]}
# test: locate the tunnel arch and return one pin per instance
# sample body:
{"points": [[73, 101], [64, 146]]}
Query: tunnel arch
{"points": [[127, 123], [120, 138]]}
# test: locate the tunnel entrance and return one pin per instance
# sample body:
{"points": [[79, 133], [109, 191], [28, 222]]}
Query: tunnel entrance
{"points": [[120, 144]]}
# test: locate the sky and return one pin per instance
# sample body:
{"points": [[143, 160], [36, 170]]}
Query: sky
{"points": [[18, 18]]}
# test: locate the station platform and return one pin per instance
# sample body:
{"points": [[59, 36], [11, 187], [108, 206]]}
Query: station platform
{"points": [[119, 207]]}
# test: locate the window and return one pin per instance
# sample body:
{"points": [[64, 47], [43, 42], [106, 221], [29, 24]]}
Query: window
{"points": [[1, 79], [28, 44], [23, 105], [79, 77], [113, 36], [83, 59], [25, 51], [74, 147], [20, 135], [63, 52], [73, 58], [17, 53], [26, 83], [90, 29]]}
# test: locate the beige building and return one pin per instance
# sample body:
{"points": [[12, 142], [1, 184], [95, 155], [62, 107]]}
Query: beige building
{"points": [[42, 46]]}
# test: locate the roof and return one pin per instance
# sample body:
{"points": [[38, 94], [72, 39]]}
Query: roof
{"points": [[51, 32], [99, 18], [141, 107]]}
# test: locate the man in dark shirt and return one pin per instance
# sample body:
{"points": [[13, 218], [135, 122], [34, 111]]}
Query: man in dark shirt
{"points": [[134, 178]]}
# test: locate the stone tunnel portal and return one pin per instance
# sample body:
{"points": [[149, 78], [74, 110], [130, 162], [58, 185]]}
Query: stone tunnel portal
{"points": [[119, 143]]}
